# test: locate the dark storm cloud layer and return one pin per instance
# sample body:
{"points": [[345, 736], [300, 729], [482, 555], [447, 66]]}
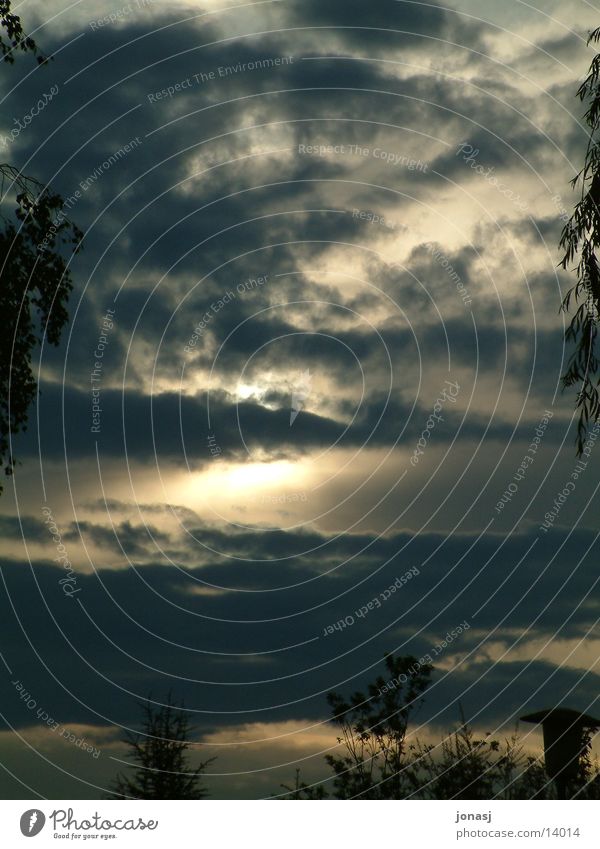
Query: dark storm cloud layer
{"points": [[169, 427], [409, 19], [121, 538], [279, 652], [17, 527]]}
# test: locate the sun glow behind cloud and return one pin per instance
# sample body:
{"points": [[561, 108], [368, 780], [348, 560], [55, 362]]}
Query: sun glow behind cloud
{"points": [[218, 489]]}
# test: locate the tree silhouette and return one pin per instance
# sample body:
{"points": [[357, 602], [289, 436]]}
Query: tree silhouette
{"points": [[160, 752], [587, 783], [17, 38], [377, 762], [580, 240], [466, 766], [372, 730], [35, 281]]}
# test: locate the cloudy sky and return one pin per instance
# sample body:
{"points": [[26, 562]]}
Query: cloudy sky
{"points": [[315, 343]]}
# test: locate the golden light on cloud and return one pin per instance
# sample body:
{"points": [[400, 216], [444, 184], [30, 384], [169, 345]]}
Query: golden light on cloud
{"points": [[257, 475], [220, 491], [248, 390]]}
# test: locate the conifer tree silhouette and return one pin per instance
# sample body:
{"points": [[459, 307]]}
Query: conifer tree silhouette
{"points": [[159, 751]]}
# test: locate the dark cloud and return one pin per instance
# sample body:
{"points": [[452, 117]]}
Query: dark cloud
{"points": [[122, 539], [152, 627], [397, 24], [19, 527]]}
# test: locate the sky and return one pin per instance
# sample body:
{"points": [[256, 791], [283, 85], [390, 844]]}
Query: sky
{"points": [[314, 348]]}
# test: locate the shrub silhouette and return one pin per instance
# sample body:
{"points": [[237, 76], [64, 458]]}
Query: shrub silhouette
{"points": [[378, 763]]}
